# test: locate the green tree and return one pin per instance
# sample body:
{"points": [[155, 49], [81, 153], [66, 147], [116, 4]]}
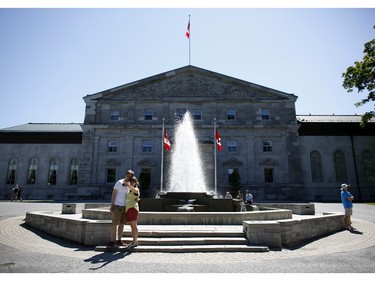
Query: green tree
{"points": [[235, 180], [362, 77]]}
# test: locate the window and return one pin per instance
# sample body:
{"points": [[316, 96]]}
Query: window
{"points": [[340, 166], [147, 146], [73, 175], [316, 166], [232, 146], [368, 166], [33, 168], [197, 114], [231, 114], [180, 113], [112, 146], [268, 175], [52, 174], [111, 175], [265, 114], [149, 114], [12, 167], [115, 115], [267, 146]]}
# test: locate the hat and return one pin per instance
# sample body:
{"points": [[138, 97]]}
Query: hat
{"points": [[344, 186], [130, 172]]}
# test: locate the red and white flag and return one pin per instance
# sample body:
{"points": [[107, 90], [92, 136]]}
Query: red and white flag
{"points": [[187, 34], [167, 144], [218, 141]]}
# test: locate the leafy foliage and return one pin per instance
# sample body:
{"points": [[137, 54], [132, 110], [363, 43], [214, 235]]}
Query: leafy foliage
{"points": [[362, 77]]}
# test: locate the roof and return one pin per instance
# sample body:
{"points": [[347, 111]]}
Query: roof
{"points": [[330, 118], [186, 70], [45, 128], [334, 125]]}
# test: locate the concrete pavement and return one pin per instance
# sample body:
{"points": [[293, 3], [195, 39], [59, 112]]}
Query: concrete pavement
{"points": [[26, 250]]}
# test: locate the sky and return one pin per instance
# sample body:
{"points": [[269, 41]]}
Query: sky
{"points": [[50, 58]]}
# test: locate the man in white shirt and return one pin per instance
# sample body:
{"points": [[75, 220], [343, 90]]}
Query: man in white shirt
{"points": [[118, 209], [248, 197]]}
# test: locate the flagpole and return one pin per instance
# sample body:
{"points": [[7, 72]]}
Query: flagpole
{"points": [[189, 43], [215, 156], [162, 157]]}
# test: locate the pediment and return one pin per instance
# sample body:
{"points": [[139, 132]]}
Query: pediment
{"points": [[269, 162], [112, 162], [191, 82], [233, 163], [146, 163]]}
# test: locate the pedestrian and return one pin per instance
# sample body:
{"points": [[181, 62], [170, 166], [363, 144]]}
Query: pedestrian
{"points": [[118, 201], [228, 195], [19, 197], [15, 193], [347, 198], [248, 197], [241, 204], [132, 209]]}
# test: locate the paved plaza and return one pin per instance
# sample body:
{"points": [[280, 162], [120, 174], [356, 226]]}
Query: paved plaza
{"points": [[25, 250]]}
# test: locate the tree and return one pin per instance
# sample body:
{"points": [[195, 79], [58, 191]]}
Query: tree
{"points": [[235, 180], [362, 77]]}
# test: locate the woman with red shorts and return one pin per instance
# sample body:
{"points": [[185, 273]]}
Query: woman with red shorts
{"points": [[132, 208]]}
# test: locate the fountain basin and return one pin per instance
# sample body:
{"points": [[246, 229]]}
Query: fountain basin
{"points": [[193, 218]]}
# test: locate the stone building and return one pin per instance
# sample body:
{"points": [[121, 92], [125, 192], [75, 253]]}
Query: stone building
{"points": [[279, 156]]}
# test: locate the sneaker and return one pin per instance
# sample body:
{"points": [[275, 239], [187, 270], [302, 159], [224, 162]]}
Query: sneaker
{"points": [[111, 244], [120, 243]]}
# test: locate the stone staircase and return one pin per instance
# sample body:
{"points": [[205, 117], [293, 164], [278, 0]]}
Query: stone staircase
{"points": [[194, 239]]}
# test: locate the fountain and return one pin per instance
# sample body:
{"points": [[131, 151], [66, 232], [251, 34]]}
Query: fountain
{"points": [[189, 202], [186, 177], [186, 173]]}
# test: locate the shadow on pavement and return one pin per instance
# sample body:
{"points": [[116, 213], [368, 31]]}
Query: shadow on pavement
{"points": [[106, 258]]}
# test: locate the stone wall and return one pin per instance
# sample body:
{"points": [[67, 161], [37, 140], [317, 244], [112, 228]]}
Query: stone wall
{"points": [[290, 232]]}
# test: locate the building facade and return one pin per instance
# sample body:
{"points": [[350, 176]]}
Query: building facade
{"points": [[278, 156]]}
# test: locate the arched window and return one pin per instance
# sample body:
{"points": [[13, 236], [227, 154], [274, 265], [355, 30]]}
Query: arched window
{"points": [[340, 166], [52, 174], [73, 176], [316, 166], [33, 169], [12, 168], [368, 166]]}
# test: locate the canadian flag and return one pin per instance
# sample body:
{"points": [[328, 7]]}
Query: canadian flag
{"points": [[187, 34], [218, 141], [167, 144]]}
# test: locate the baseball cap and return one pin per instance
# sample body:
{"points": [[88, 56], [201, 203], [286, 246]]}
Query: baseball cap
{"points": [[344, 186]]}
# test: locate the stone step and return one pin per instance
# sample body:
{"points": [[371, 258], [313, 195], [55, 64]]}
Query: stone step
{"points": [[185, 233], [185, 248], [172, 241], [186, 239]]}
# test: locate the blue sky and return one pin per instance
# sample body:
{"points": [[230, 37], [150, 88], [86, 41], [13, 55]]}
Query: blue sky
{"points": [[51, 58]]}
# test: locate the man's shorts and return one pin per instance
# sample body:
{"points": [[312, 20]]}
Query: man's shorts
{"points": [[348, 212], [131, 214], [118, 215]]}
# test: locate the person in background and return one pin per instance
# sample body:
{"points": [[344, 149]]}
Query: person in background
{"points": [[347, 198], [15, 193], [19, 194], [118, 201], [241, 205], [248, 198], [228, 195], [132, 209]]}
